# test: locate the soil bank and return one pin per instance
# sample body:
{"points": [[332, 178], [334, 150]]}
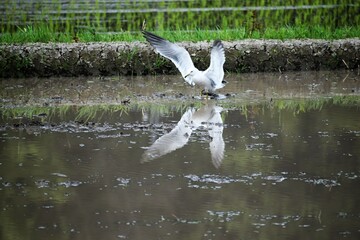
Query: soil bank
{"points": [[139, 58]]}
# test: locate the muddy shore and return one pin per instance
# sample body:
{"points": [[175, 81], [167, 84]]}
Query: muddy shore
{"points": [[137, 58], [172, 90]]}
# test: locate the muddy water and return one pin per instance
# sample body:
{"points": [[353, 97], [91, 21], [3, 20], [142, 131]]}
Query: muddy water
{"points": [[172, 89], [259, 168]]}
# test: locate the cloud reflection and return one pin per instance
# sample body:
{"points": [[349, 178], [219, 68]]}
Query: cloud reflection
{"points": [[208, 117]]}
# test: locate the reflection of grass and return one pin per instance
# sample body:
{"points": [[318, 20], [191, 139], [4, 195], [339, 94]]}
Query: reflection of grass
{"points": [[84, 113], [25, 112], [96, 112], [42, 33], [87, 113], [305, 105], [35, 112], [168, 106]]}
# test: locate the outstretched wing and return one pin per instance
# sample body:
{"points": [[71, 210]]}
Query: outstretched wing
{"points": [[178, 55], [217, 144], [209, 116], [171, 141], [216, 69]]}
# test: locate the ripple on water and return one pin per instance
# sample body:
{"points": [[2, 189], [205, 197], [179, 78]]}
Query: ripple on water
{"points": [[213, 181], [210, 181], [223, 216]]}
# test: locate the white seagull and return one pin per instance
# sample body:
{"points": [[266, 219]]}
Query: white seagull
{"points": [[211, 79]]}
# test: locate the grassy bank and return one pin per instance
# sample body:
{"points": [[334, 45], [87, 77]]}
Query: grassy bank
{"points": [[43, 33]]}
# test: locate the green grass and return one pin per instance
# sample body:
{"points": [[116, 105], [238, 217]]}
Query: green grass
{"points": [[42, 33], [57, 22], [96, 112]]}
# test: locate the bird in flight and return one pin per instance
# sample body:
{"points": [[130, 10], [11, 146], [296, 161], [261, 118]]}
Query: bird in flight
{"points": [[211, 79]]}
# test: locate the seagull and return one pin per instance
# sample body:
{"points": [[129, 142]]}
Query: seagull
{"points": [[207, 117], [211, 79]]}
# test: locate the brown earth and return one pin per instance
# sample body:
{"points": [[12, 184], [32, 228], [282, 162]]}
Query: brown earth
{"points": [[120, 58]]}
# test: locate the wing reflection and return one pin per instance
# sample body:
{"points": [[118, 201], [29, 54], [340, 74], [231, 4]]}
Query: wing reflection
{"points": [[207, 117]]}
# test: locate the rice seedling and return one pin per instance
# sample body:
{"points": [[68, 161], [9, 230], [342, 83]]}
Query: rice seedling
{"points": [[191, 20], [42, 33]]}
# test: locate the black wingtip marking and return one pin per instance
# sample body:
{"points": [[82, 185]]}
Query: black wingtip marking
{"points": [[217, 43], [152, 38]]}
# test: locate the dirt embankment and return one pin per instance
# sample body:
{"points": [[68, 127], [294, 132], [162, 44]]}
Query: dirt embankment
{"points": [[119, 58]]}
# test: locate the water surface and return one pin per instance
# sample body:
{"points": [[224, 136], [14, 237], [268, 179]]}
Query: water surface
{"points": [[183, 168]]}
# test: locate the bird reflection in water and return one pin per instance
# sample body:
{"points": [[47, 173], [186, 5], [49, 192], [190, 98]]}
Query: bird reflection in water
{"points": [[208, 117]]}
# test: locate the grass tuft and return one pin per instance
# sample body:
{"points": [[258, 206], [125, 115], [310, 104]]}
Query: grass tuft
{"points": [[43, 33]]}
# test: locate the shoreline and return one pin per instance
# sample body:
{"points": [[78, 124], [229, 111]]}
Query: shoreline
{"points": [[172, 90], [139, 58]]}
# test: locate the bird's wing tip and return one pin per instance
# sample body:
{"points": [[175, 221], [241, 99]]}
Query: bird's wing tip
{"points": [[217, 42], [152, 38]]}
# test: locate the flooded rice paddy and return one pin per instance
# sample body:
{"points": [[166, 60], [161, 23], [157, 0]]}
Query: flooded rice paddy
{"points": [[277, 159], [120, 15]]}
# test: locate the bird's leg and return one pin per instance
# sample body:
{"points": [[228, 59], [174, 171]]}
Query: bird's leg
{"points": [[214, 95], [203, 92], [209, 94]]}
